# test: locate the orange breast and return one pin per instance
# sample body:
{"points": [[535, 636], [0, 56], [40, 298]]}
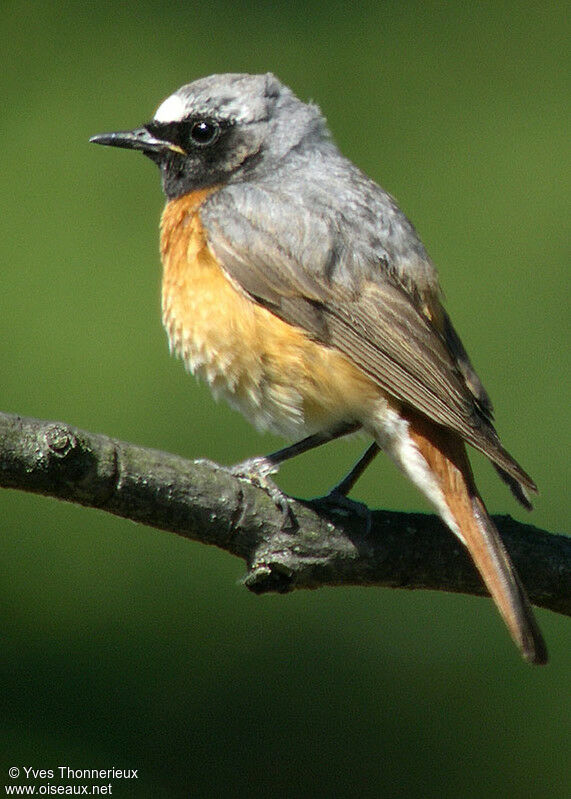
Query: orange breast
{"points": [[270, 370]]}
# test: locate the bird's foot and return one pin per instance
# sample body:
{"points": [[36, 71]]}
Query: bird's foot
{"points": [[257, 471], [338, 503]]}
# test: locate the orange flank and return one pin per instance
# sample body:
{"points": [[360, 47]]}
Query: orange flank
{"points": [[272, 371]]}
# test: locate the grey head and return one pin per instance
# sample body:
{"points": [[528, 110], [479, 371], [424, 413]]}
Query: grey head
{"points": [[222, 128]]}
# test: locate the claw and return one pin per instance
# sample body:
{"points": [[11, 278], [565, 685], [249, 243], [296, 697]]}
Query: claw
{"points": [[257, 471], [336, 502]]}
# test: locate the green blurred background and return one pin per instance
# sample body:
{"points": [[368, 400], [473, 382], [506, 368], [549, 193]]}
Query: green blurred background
{"points": [[130, 647]]}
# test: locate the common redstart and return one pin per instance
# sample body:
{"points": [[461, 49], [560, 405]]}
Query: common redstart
{"points": [[295, 286]]}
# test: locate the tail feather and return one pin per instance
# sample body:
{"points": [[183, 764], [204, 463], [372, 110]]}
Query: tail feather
{"points": [[446, 478], [503, 583]]}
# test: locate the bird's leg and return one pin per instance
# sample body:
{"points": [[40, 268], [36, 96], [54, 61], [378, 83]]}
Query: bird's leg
{"points": [[263, 465], [258, 470], [337, 498], [346, 484]]}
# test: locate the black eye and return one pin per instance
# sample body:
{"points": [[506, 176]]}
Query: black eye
{"points": [[204, 132]]}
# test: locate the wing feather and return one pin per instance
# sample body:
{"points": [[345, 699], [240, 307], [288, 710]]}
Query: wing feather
{"points": [[372, 318]]}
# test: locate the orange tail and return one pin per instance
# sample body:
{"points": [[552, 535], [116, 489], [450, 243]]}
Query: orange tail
{"points": [[445, 455]]}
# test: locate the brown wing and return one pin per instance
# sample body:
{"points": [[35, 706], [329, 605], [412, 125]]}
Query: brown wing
{"points": [[375, 323]]}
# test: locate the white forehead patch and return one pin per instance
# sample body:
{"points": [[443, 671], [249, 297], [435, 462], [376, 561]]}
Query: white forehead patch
{"points": [[172, 110]]}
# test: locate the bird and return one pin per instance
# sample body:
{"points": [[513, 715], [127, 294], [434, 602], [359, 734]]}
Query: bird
{"points": [[295, 286]]}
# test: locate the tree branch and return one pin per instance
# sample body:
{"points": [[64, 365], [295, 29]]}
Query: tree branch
{"points": [[202, 501]]}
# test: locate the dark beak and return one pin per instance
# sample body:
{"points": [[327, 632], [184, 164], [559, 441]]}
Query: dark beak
{"points": [[138, 139]]}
